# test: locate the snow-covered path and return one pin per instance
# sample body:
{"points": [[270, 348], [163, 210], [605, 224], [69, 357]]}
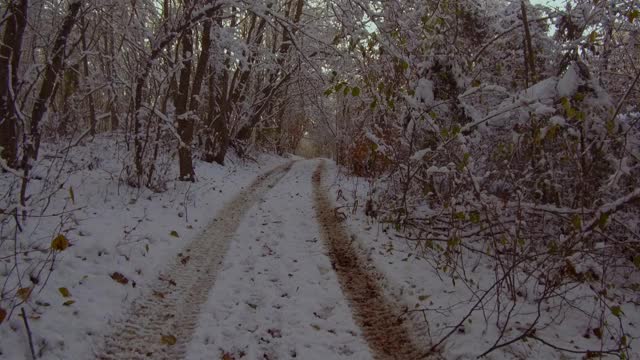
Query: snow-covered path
{"points": [[275, 276], [160, 323], [277, 296]]}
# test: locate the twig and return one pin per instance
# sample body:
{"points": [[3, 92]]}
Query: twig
{"points": [[26, 325]]}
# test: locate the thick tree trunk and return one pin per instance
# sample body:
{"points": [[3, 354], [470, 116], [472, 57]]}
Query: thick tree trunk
{"points": [[221, 130], [9, 61], [53, 68], [183, 117]]}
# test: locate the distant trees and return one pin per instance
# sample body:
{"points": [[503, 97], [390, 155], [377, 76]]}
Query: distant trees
{"points": [[166, 72]]}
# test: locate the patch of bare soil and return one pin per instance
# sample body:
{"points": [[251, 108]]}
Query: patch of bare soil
{"points": [[387, 335], [161, 323]]}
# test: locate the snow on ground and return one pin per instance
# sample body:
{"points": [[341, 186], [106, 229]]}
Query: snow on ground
{"points": [[412, 281], [113, 229], [277, 296]]}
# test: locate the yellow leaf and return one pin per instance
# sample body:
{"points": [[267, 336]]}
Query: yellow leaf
{"points": [[3, 315], [168, 340], [68, 302], [24, 293], [60, 243], [174, 233], [71, 195], [64, 292]]}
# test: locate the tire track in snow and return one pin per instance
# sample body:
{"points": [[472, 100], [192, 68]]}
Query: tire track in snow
{"points": [[172, 307], [381, 322]]}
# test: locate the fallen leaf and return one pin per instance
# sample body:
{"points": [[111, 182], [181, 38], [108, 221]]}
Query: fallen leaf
{"points": [[185, 260], [64, 292], [174, 233], [68, 302], [158, 294], [227, 356], [120, 278], [60, 243], [24, 293], [168, 340], [3, 315]]}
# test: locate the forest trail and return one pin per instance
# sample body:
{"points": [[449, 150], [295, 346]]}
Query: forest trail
{"points": [[381, 321], [160, 323], [276, 276]]}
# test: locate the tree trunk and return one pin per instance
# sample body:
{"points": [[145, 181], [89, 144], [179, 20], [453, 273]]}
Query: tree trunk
{"points": [[85, 64], [183, 117], [9, 61], [53, 68], [529, 54]]}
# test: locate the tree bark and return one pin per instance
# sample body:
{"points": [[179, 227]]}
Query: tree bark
{"points": [[85, 64], [529, 54], [53, 68], [10, 50], [183, 117]]}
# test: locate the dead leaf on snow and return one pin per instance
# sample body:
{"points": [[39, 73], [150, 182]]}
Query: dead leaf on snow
{"points": [[64, 292], [3, 315], [168, 340], [24, 293], [227, 356], [60, 242], [120, 278]]}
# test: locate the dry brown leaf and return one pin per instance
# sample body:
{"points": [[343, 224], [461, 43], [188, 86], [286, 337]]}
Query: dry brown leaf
{"points": [[120, 278], [64, 292], [227, 356], [3, 315], [168, 340], [24, 293], [60, 242]]}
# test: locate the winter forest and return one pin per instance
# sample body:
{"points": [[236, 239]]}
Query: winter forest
{"points": [[315, 179]]}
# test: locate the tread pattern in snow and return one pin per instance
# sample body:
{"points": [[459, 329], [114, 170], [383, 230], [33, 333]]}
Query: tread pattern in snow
{"points": [[170, 311], [381, 322]]}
